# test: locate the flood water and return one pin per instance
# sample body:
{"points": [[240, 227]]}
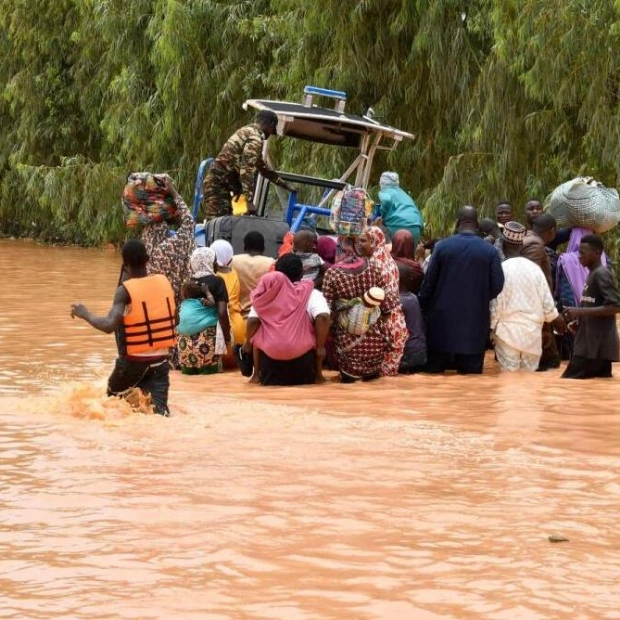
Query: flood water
{"points": [[408, 498]]}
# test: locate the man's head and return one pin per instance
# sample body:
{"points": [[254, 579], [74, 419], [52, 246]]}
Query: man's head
{"points": [[513, 235], [291, 266], [590, 250], [503, 212], [268, 122], [134, 255], [533, 208], [254, 243], [545, 227], [467, 219], [488, 227], [305, 241]]}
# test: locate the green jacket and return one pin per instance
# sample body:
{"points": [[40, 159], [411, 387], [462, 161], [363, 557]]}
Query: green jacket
{"points": [[399, 210]]}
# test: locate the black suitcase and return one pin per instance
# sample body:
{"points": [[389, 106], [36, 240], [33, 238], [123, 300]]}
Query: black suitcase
{"points": [[233, 229]]}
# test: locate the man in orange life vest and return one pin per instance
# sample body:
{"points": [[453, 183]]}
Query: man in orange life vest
{"points": [[143, 317]]}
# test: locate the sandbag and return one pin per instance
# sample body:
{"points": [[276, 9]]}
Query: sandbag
{"points": [[146, 199], [585, 202]]}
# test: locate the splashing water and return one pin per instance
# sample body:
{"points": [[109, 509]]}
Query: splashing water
{"points": [[88, 401]]}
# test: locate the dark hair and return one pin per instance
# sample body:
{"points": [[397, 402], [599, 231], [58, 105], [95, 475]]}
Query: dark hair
{"points": [[405, 276], [291, 266], [254, 242], [134, 253], [267, 116], [430, 245], [543, 223], [192, 290], [593, 241], [467, 215], [487, 225], [501, 203]]}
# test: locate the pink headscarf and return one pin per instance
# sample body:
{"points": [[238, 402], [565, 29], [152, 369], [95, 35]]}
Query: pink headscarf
{"points": [[403, 252], [576, 273], [286, 331], [326, 248]]}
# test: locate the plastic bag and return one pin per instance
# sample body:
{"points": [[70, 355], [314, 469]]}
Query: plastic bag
{"points": [[239, 205], [585, 202]]}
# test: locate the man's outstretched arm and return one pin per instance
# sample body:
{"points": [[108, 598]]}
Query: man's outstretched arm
{"points": [[109, 323]]}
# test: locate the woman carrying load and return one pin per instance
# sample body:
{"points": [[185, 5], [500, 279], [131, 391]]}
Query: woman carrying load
{"points": [[364, 265]]}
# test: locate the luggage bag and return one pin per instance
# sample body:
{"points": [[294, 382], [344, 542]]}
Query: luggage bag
{"points": [[233, 229]]}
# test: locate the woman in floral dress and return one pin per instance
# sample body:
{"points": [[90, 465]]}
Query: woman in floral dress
{"points": [[169, 250], [395, 326]]}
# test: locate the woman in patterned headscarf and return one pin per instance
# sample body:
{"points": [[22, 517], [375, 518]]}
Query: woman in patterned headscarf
{"points": [[170, 244], [204, 326], [361, 267], [394, 322]]}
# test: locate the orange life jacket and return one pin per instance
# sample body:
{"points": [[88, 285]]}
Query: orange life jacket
{"points": [[150, 323]]}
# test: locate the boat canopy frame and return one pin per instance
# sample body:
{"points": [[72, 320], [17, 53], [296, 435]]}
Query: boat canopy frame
{"points": [[335, 127], [322, 125]]}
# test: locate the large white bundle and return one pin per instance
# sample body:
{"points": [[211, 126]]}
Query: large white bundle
{"points": [[585, 202]]}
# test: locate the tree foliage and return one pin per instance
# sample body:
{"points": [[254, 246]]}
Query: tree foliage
{"points": [[507, 99]]}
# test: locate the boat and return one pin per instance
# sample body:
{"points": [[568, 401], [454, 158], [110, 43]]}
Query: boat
{"points": [[363, 135]]}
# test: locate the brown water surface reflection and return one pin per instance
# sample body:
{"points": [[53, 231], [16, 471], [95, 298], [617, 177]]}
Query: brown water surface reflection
{"points": [[421, 497]]}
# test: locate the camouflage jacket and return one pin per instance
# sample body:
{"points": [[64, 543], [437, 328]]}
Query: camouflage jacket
{"points": [[241, 158]]}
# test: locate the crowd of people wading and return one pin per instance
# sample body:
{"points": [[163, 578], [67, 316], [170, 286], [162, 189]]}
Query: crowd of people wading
{"points": [[378, 303]]}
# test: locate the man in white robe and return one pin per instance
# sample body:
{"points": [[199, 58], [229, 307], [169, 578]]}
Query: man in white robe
{"points": [[519, 311]]}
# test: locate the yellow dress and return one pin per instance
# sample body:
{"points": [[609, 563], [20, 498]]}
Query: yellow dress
{"points": [[237, 323]]}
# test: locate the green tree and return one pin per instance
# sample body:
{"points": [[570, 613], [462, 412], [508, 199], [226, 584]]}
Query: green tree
{"points": [[545, 108], [507, 99]]}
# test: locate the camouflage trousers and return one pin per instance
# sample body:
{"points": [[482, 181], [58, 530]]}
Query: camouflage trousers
{"points": [[216, 194]]}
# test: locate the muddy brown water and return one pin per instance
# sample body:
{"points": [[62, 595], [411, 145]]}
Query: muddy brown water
{"points": [[419, 497]]}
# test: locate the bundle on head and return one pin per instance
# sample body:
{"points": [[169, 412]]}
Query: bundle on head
{"points": [[348, 212], [146, 199], [586, 203]]}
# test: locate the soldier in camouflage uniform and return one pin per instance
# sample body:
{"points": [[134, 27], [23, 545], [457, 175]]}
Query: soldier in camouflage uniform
{"points": [[234, 169]]}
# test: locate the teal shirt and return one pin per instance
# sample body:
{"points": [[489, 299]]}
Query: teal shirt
{"points": [[398, 210]]}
